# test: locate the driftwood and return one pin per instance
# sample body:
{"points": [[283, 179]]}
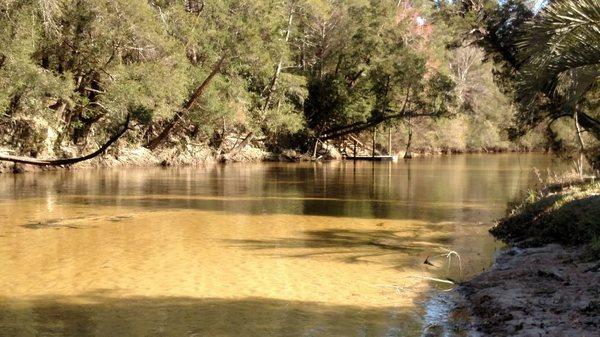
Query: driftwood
{"points": [[68, 161]]}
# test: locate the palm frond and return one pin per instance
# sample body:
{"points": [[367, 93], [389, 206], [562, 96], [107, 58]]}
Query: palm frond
{"points": [[564, 36]]}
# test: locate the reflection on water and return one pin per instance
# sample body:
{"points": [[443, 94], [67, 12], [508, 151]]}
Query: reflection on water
{"points": [[245, 250]]}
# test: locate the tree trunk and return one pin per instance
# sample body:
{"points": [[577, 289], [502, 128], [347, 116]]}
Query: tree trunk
{"points": [[390, 141], [408, 153], [357, 127], [271, 89], [154, 143], [589, 124], [275, 78], [315, 148], [593, 127], [238, 148], [373, 143], [68, 161]]}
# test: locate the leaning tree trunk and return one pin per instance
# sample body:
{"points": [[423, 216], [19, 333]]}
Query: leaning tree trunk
{"points": [[408, 153], [592, 126], [270, 91], [279, 67], [237, 149], [68, 161], [154, 143], [579, 164]]}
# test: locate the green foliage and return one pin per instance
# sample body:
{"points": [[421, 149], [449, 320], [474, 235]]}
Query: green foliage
{"points": [[370, 67], [291, 69], [141, 114], [564, 36], [550, 65]]}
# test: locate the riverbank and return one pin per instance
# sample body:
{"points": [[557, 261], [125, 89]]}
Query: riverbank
{"points": [[201, 154], [546, 284], [189, 155]]}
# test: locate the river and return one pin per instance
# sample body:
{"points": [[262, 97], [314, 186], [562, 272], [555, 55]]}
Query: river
{"points": [[266, 249]]}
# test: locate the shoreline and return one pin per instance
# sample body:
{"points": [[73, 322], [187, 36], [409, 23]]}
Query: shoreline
{"points": [[543, 291], [547, 281], [200, 155]]}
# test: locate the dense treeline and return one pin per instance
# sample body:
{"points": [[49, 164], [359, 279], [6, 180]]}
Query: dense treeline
{"points": [[276, 74]]}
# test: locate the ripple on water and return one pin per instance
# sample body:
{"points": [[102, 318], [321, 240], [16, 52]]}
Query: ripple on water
{"points": [[296, 250]]}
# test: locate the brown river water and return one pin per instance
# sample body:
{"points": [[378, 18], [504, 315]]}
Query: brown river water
{"points": [[269, 249]]}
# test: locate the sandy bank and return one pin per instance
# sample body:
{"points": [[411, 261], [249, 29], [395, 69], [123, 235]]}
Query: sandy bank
{"points": [[545, 291], [200, 154], [190, 155]]}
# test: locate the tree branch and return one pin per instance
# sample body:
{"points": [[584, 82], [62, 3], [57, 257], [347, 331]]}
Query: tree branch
{"points": [[68, 161], [590, 124]]}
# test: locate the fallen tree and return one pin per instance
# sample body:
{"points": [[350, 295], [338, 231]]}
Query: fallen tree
{"points": [[68, 161]]}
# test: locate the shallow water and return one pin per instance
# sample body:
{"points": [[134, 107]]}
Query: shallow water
{"points": [[325, 249]]}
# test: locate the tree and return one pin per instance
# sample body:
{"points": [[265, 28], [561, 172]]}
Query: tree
{"points": [[365, 71], [229, 73], [224, 38], [87, 67], [277, 99], [555, 55]]}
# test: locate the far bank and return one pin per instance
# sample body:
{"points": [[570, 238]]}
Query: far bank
{"points": [[202, 154]]}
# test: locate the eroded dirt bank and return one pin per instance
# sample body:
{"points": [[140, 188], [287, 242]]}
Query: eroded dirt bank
{"points": [[543, 291]]}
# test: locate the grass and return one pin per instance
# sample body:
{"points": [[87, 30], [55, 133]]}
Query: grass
{"points": [[565, 213]]}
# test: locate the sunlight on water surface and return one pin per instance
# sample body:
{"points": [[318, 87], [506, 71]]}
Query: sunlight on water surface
{"points": [[332, 249]]}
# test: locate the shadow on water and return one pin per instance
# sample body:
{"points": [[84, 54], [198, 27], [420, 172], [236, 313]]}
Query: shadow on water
{"points": [[100, 315], [353, 246], [151, 248], [366, 209]]}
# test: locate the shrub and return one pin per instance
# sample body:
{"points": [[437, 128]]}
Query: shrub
{"points": [[570, 215]]}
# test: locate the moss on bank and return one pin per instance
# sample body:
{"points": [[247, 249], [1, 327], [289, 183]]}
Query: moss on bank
{"points": [[568, 214]]}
